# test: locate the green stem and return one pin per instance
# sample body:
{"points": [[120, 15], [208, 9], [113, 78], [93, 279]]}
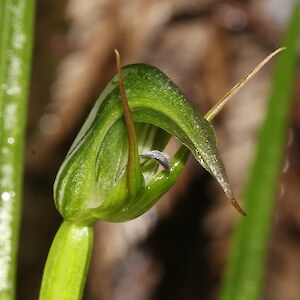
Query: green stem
{"points": [[16, 23], [67, 263]]}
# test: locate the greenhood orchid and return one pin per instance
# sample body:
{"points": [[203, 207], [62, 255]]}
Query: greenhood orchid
{"points": [[112, 172]]}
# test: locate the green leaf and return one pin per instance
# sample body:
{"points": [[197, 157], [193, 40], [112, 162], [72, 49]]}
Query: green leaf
{"points": [[244, 275], [16, 20]]}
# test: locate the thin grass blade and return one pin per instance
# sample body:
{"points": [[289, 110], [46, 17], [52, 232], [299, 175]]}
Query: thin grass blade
{"points": [[245, 271], [16, 20]]}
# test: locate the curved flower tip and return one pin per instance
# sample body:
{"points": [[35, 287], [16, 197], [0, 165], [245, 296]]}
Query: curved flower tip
{"points": [[224, 183], [237, 206]]}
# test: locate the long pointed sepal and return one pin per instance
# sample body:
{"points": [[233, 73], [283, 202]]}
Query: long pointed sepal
{"points": [[134, 175], [221, 103]]}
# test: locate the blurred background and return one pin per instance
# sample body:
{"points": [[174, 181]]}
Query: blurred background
{"points": [[178, 250]]}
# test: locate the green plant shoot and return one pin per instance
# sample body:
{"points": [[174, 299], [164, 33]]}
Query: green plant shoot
{"points": [[111, 171]]}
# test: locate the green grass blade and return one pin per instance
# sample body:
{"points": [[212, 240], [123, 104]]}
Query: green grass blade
{"points": [[245, 271], [16, 20]]}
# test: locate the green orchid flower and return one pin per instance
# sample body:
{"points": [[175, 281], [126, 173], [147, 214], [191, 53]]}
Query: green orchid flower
{"points": [[107, 175], [112, 170]]}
